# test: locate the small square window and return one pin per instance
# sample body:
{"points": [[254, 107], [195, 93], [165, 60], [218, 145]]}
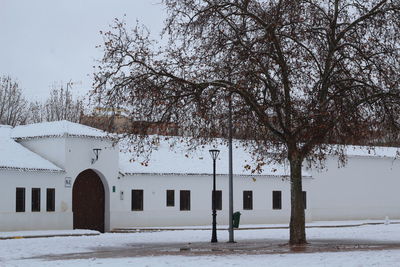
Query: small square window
{"points": [[305, 199], [184, 200], [218, 199], [276, 200], [170, 198], [36, 199], [20, 199], [247, 200], [137, 200], [50, 199]]}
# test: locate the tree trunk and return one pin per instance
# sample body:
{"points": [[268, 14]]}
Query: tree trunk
{"points": [[297, 218]]}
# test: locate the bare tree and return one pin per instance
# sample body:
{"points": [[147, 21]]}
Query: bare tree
{"points": [[62, 106], [36, 112], [15, 109], [12, 102], [302, 75]]}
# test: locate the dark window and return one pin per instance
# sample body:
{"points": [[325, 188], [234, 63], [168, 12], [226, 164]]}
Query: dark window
{"points": [[218, 199], [185, 199], [35, 199], [247, 200], [51, 199], [137, 199], [276, 200], [305, 199], [170, 198], [20, 199]]}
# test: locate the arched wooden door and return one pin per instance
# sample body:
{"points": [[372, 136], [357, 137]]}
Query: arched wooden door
{"points": [[88, 201]]}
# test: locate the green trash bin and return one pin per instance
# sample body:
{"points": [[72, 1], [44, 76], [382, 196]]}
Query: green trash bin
{"points": [[236, 219]]}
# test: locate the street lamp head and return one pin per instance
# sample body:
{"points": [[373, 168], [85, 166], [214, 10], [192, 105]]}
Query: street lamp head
{"points": [[214, 153]]}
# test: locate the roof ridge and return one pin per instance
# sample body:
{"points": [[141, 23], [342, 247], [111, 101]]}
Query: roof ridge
{"points": [[56, 129]]}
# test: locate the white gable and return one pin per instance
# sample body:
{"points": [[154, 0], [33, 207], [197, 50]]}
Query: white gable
{"points": [[56, 129], [15, 156]]}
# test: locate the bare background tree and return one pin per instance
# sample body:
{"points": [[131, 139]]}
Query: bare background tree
{"points": [[305, 77], [61, 105], [36, 112], [16, 110], [13, 109]]}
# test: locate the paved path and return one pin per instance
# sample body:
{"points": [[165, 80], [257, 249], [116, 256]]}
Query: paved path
{"points": [[248, 247], [246, 227]]}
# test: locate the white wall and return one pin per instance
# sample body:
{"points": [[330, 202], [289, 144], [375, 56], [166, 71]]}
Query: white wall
{"points": [[10, 220], [366, 188], [79, 154], [74, 155], [156, 213]]}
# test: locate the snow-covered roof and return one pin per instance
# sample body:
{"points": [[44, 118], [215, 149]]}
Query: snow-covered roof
{"points": [[166, 160], [177, 160], [16, 156], [364, 151], [163, 160], [56, 129]]}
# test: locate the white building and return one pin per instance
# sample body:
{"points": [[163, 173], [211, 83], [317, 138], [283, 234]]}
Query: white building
{"points": [[51, 178]]}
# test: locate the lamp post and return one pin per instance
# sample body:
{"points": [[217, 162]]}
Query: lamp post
{"points": [[214, 155], [231, 236]]}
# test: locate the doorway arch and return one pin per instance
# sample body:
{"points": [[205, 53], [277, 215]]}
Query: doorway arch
{"points": [[88, 201]]}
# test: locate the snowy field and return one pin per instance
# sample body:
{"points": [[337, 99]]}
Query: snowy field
{"points": [[370, 245]]}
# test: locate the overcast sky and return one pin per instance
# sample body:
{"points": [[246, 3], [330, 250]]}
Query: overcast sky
{"points": [[47, 41]]}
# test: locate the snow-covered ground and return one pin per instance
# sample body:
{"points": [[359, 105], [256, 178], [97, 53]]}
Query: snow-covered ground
{"points": [[356, 259], [19, 252]]}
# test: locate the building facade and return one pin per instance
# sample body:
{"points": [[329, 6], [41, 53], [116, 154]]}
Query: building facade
{"points": [[63, 175]]}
